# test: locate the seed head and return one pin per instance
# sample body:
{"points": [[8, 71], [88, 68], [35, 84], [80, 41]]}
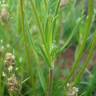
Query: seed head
{"points": [[9, 60], [63, 3], [72, 91], [13, 84], [4, 15]]}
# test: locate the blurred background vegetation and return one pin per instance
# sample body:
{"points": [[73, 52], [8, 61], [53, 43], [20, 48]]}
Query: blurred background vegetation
{"points": [[53, 42]]}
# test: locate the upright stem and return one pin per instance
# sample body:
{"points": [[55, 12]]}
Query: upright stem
{"points": [[25, 35], [85, 37], [50, 81]]}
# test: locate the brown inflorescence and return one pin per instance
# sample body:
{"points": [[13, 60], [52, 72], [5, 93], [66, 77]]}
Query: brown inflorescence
{"points": [[72, 90], [13, 83], [9, 61], [4, 14]]}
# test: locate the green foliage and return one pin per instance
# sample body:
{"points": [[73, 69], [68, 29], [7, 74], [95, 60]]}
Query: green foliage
{"points": [[38, 32]]}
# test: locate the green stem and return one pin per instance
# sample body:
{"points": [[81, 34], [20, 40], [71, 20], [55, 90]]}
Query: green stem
{"points": [[91, 52], [46, 4], [23, 29], [37, 19], [74, 31], [87, 31], [54, 23], [50, 82], [25, 40]]}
